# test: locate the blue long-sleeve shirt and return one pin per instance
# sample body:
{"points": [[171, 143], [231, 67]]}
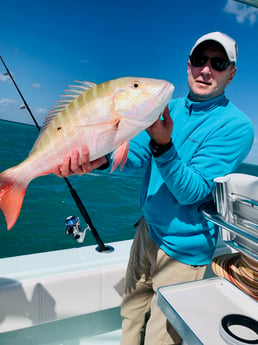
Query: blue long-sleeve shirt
{"points": [[210, 139]]}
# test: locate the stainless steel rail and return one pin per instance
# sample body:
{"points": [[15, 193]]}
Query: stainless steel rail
{"points": [[239, 237]]}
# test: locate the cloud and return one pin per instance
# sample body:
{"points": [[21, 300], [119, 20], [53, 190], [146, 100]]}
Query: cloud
{"points": [[4, 77], [242, 12], [8, 109], [6, 101], [36, 85], [41, 111]]}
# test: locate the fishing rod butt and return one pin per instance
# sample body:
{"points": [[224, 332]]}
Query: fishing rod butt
{"points": [[106, 249]]}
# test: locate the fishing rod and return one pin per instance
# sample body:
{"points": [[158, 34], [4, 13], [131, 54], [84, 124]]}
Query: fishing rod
{"points": [[101, 246]]}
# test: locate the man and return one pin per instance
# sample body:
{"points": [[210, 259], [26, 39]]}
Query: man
{"points": [[200, 137]]}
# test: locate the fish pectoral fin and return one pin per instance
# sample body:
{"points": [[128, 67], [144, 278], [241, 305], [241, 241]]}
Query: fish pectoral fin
{"points": [[120, 156]]}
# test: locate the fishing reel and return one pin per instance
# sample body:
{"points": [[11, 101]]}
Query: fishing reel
{"points": [[73, 228]]}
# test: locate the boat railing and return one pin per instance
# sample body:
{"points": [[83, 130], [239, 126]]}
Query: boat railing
{"points": [[235, 212]]}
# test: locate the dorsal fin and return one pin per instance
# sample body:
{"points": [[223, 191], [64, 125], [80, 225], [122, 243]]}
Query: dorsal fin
{"points": [[69, 96]]}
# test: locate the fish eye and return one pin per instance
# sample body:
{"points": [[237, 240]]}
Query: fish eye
{"points": [[136, 84]]}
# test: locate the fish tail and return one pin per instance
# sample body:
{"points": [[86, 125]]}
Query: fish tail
{"points": [[11, 196]]}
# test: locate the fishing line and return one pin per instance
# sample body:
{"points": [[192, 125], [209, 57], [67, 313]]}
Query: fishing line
{"points": [[101, 246]]}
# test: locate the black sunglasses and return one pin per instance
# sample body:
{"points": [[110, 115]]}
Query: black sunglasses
{"points": [[217, 63]]}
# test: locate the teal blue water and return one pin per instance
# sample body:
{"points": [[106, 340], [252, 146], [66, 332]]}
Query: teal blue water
{"points": [[111, 201]]}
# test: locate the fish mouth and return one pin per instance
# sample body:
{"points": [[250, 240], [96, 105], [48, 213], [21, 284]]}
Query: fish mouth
{"points": [[162, 97], [168, 96], [157, 103], [167, 86]]}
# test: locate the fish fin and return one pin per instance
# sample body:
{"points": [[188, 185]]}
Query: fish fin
{"points": [[69, 96], [120, 156], [84, 84], [11, 198]]}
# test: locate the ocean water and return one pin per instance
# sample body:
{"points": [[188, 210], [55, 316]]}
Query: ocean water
{"points": [[111, 201]]}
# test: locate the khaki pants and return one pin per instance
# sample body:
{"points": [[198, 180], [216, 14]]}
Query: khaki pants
{"points": [[149, 268]]}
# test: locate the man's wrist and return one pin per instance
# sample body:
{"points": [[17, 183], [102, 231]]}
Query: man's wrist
{"points": [[158, 149]]}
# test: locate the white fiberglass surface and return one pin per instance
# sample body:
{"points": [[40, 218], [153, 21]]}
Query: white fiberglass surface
{"points": [[89, 329]]}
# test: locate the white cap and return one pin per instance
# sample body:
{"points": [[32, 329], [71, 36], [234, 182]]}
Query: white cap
{"points": [[227, 43]]}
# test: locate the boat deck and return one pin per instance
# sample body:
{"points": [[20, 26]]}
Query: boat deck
{"points": [[69, 297], [110, 338], [100, 328]]}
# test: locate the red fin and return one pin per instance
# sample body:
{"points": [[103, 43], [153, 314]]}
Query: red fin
{"points": [[11, 199], [120, 156]]}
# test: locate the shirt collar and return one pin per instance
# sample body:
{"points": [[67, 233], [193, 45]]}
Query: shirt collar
{"points": [[199, 108]]}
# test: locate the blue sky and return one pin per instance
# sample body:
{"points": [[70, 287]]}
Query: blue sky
{"points": [[49, 44]]}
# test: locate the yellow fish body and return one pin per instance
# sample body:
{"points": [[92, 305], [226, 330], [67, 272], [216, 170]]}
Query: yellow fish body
{"points": [[104, 117]]}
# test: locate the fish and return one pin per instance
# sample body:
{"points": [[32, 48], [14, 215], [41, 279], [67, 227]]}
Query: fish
{"points": [[103, 116]]}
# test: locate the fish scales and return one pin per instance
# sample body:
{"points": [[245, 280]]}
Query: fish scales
{"points": [[84, 108], [105, 117]]}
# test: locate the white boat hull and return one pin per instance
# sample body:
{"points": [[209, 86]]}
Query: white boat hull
{"points": [[65, 297]]}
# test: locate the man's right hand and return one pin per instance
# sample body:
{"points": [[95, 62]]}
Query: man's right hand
{"points": [[78, 164]]}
